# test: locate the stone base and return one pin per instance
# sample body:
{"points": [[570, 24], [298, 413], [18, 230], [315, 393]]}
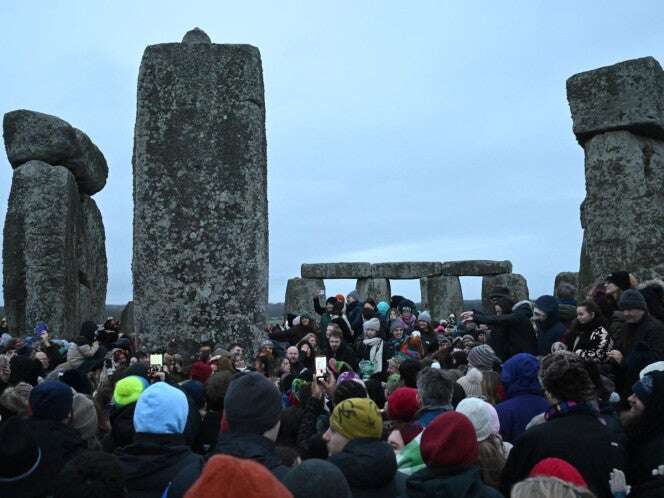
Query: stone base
{"points": [[377, 289]]}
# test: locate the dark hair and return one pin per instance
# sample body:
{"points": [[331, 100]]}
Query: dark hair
{"points": [[287, 455], [376, 392], [566, 377], [566, 290], [348, 389], [91, 473], [408, 370]]}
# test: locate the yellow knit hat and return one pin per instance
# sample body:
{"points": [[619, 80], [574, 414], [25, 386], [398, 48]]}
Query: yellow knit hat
{"points": [[357, 418]]}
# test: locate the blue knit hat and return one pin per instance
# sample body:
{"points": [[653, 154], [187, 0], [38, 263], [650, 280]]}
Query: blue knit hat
{"points": [[161, 409], [40, 328], [51, 400]]}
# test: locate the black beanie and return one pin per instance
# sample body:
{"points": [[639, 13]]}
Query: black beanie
{"points": [[632, 299], [620, 279], [252, 403], [318, 478]]}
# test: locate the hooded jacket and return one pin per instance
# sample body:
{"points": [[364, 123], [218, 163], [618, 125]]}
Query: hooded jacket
{"points": [[252, 447], [370, 467], [511, 333], [454, 482], [551, 329]]}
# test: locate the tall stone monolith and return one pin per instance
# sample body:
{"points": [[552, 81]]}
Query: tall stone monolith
{"points": [[200, 264], [92, 271]]}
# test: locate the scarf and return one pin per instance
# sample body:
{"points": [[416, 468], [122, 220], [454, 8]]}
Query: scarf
{"points": [[567, 407], [375, 353]]}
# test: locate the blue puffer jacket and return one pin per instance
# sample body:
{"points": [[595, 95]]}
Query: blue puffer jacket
{"points": [[550, 330]]}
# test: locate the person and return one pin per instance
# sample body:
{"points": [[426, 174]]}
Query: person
{"points": [[317, 478], [402, 405], [354, 313], [83, 348], [428, 335], [572, 430], [549, 327], [126, 392], [252, 409], [293, 357], [588, 336], [337, 349], [225, 476], [450, 451], [483, 358], [547, 487], [406, 309], [653, 292], [434, 389], [91, 473], [617, 282], [524, 395], [85, 420], [397, 339], [645, 434], [355, 447], [371, 348], [332, 308], [215, 390], [158, 451], [641, 343], [511, 330], [491, 454]]}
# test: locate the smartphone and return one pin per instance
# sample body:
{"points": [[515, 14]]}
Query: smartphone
{"points": [[156, 360], [321, 366]]}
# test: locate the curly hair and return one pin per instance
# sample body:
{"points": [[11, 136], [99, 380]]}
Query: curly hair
{"points": [[566, 378]]}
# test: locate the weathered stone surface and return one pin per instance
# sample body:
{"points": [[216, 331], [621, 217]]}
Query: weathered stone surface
{"points": [[445, 296], [625, 96], [93, 273], [200, 262], [376, 288], [569, 277], [476, 268], [585, 272], [31, 135], [406, 270], [196, 35], [300, 294], [623, 212], [336, 270], [40, 260], [516, 283], [127, 319], [424, 293]]}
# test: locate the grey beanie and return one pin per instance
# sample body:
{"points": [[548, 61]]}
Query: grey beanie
{"points": [[372, 323], [483, 357], [424, 316], [318, 478], [252, 403], [632, 299]]}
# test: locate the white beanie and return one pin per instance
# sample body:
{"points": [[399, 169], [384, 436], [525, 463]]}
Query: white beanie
{"points": [[478, 413], [372, 323]]}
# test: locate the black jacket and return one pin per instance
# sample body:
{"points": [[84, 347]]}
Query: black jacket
{"points": [[370, 467], [252, 447], [354, 314], [453, 482], [578, 438], [511, 333], [122, 428], [344, 353], [209, 432], [152, 461]]}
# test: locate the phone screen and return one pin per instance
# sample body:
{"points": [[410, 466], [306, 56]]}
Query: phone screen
{"points": [[321, 366], [156, 360]]}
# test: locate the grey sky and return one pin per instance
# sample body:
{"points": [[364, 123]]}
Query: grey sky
{"points": [[396, 130]]}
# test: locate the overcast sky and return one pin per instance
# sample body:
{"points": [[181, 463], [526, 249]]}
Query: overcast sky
{"points": [[396, 130]]}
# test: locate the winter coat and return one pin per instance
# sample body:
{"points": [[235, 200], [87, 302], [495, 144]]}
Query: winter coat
{"points": [[354, 314], [642, 457], [511, 333], [591, 341], [79, 351], [122, 428], [208, 433], [344, 353], [369, 466], [152, 461], [252, 447], [453, 482], [578, 438], [550, 330], [426, 415]]}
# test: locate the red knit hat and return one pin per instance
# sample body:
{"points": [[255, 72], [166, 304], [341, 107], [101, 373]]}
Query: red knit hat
{"points": [[200, 371], [225, 476], [402, 404], [556, 467], [409, 431], [449, 440]]}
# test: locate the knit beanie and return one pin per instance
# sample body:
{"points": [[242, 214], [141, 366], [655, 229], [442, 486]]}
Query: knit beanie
{"points": [[424, 316], [483, 357], [225, 476], [371, 324], [556, 467], [449, 441], [348, 375], [620, 279], [252, 403], [495, 420], [129, 389], [658, 366], [472, 383], [200, 371], [51, 400], [409, 431], [383, 308], [632, 299], [397, 324], [478, 413], [356, 418], [16, 399], [318, 478], [84, 417], [644, 388], [161, 409], [402, 404]]}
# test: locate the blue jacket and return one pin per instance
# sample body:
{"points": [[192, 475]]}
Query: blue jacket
{"points": [[550, 330]]}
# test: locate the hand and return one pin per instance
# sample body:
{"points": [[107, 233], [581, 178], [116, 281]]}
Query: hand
{"points": [[617, 482], [615, 355], [467, 315], [659, 471], [316, 389], [330, 383]]}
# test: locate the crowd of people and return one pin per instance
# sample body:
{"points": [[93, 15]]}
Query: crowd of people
{"points": [[549, 398]]}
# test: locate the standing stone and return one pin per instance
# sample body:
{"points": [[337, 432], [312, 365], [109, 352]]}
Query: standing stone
{"points": [[300, 294], [377, 289], [585, 272], [516, 284], [127, 319], [40, 260], [424, 293], [93, 276], [445, 296], [200, 263], [623, 212], [568, 277]]}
